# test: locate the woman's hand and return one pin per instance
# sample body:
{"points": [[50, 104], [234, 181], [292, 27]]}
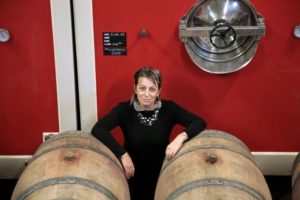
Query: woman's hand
{"points": [[128, 165], [175, 145]]}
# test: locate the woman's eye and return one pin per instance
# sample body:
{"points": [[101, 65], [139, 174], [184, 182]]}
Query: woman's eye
{"points": [[142, 88], [152, 89]]}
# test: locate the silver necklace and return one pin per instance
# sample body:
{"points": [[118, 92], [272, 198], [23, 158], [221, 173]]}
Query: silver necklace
{"points": [[148, 121]]}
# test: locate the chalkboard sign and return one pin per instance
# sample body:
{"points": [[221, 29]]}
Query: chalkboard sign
{"points": [[114, 44]]}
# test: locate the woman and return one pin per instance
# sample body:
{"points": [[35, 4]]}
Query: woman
{"points": [[146, 122]]}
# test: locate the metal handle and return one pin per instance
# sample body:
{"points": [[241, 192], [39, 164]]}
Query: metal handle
{"points": [[222, 38]]}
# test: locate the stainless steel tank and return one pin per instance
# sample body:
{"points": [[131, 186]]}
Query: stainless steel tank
{"points": [[221, 36]]}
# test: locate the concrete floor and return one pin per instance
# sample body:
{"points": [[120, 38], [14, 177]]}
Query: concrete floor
{"points": [[280, 187]]}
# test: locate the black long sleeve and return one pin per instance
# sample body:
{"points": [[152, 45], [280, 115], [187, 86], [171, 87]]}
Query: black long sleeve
{"points": [[193, 124], [102, 131]]}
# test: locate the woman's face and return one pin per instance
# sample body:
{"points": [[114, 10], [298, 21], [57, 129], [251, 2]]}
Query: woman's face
{"points": [[147, 92]]}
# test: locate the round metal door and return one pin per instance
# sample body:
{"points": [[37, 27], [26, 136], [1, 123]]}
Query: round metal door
{"points": [[221, 36]]}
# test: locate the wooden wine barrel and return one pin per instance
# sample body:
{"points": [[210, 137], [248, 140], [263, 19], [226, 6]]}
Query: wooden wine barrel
{"points": [[213, 165], [72, 166], [296, 178]]}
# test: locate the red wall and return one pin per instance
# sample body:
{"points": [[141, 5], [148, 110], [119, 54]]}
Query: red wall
{"points": [[260, 104], [28, 103]]}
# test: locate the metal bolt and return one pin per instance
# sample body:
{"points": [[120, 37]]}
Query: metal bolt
{"points": [[143, 33]]}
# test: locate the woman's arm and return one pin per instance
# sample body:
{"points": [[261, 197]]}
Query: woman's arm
{"points": [[193, 124], [102, 128], [175, 145], [101, 131]]}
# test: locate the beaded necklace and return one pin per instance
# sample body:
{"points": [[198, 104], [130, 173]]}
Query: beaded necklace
{"points": [[148, 121]]}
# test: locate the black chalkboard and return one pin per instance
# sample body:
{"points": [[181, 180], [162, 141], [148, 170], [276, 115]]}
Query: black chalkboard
{"points": [[114, 44]]}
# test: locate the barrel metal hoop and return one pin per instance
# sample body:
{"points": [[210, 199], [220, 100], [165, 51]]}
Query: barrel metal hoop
{"points": [[211, 182], [67, 180], [222, 135], [206, 146], [79, 146], [74, 135]]}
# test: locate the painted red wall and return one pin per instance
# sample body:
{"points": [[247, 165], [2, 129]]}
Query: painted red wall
{"points": [[260, 104], [28, 103]]}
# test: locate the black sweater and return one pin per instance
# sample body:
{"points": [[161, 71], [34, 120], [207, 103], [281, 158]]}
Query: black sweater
{"points": [[142, 141]]}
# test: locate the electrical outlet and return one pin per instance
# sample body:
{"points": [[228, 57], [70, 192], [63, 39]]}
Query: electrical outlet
{"points": [[47, 135]]}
